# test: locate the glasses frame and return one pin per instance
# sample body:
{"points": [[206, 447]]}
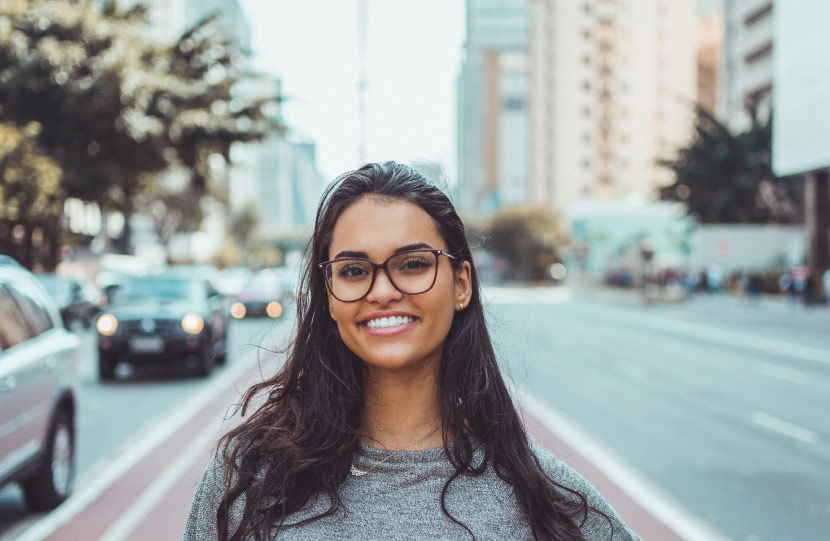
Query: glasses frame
{"points": [[377, 266]]}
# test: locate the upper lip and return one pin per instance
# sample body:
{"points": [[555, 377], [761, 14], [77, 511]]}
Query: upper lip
{"points": [[378, 315]]}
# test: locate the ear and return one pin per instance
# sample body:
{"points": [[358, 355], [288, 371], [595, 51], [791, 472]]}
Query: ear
{"points": [[463, 286]]}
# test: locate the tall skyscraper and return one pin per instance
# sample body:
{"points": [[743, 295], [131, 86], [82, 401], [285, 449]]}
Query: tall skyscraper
{"points": [[493, 121], [747, 71], [613, 87]]}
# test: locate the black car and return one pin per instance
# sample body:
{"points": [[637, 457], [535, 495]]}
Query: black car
{"points": [[38, 391], [77, 310], [258, 298], [163, 318]]}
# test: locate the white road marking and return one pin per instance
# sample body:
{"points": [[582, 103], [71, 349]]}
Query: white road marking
{"points": [[138, 511], [782, 372], [646, 494], [737, 339], [526, 295], [166, 427], [784, 427]]}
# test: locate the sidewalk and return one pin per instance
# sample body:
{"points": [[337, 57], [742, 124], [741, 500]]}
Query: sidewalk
{"points": [[147, 494]]}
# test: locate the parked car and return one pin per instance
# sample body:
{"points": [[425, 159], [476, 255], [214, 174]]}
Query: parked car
{"points": [[38, 391], [258, 298], [76, 308], [163, 318]]}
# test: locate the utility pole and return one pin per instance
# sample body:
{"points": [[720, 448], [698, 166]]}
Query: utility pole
{"points": [[362, 82]]}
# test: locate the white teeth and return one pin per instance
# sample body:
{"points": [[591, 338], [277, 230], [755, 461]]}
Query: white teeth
{"points": [[384, 322]]}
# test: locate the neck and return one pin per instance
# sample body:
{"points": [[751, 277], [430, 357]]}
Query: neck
{"points": [[401, 410]]}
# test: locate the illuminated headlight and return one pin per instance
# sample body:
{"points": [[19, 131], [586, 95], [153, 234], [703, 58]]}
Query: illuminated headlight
{"points": [[238, 310], [274, 309], [107, 324], [193, 323]]}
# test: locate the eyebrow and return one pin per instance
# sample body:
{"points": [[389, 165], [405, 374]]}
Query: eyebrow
{"points": [[364, 255]]}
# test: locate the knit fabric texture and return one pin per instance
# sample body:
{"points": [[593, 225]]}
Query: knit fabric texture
{"points": [[400, 500]]}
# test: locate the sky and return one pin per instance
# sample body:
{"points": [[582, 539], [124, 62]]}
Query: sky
{"points": [[413, 60]]}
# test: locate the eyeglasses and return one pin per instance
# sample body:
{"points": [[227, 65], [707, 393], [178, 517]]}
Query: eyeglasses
{"points": [[411, 272]]}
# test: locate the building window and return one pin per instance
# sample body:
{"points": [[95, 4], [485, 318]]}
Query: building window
{"points": [[758, 15], [759, 54], [586, 85], [586, 163]]}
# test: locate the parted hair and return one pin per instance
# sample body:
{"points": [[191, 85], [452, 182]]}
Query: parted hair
{"points": [[305, 422]]}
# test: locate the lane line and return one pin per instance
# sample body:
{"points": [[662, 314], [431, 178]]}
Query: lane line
{"points": [[646, 494], [732, 338], [784, 373], [165, 428], [501, 295], [158, 489], [784, 427]]}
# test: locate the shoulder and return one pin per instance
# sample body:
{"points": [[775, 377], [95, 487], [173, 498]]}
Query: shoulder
{"points": [[596, 526], [201, 522]]}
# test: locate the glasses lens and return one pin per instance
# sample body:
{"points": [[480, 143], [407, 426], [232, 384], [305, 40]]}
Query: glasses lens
{"points": [[349, 279], [413, 272]]}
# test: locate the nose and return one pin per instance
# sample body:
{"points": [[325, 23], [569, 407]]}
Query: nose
{"points": [[383, 290]]}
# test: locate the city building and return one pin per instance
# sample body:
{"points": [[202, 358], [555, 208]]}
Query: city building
{"points": [[709, 46], [612, 92], [492, 111], [746, 68]]}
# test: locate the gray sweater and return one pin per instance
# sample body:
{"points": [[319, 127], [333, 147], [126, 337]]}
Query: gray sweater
{"points": [[400, 500]]}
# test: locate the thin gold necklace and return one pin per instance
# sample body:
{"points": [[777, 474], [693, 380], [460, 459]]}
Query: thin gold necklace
{"points": [[360, 473]]}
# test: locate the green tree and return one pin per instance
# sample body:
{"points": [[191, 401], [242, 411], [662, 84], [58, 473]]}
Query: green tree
{"points": [[530, 238], [118, 108], [727, 177], [30, 197]]}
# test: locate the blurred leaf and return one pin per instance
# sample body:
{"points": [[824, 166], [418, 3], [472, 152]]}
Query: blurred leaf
{"points": [[724, 177]]}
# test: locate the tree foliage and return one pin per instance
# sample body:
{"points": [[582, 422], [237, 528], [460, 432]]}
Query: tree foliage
{"points": [[30, 191], [727, 177], [117, 107], [530, 238]]}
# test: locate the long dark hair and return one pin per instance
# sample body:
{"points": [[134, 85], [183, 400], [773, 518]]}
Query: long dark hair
{"points": [[299, 443]]}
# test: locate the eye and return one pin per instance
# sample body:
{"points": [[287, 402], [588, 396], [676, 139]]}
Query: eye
{"points": [[415, 263], [352, 270]]}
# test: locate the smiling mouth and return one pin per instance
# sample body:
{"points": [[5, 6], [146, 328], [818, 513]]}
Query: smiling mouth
{"points": [[388, 322]]}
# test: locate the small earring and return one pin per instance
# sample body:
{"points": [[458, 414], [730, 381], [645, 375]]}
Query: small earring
{"points": [[460, 306]]}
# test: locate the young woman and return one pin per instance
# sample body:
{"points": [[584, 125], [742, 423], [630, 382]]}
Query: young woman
{"points": [[390, 418]]}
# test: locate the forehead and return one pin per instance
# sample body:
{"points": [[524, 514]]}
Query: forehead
{"points": [[379, 227]]}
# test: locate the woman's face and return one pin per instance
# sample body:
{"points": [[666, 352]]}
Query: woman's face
{"points": [[376, 229]]}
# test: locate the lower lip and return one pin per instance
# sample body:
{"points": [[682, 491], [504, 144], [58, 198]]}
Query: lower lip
{"points": [[389, 331]]}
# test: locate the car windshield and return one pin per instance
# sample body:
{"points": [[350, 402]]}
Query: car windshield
{"points": [[158, 288], [57, 287]]}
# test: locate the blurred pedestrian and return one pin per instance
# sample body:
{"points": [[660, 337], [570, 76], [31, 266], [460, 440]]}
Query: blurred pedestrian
{"points": [[390, 418]]}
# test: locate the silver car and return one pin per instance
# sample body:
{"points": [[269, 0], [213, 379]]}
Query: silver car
{"points": [[38, 359]]}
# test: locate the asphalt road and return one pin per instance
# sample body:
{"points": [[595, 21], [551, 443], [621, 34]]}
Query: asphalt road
{"points": [[113, 416], [723, 404]]}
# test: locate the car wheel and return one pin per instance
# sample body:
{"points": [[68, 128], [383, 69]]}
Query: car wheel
{"points": [[52, 484], [106, 366]]}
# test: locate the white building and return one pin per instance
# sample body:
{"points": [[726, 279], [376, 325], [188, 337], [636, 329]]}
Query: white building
{"points": [[613, 87], [746, 67], [492, 110]]}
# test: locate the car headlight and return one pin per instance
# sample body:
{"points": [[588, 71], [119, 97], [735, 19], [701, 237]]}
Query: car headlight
{"points": [[107, 324], [193, 323], [238, 310], [274, 309]]}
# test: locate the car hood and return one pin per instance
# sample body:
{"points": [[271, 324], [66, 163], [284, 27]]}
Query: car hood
{"points": [[158, 309]]}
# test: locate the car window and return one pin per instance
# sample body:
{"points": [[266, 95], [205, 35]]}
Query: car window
{"points": [[14, 327], [36, 315], [157, 287]]}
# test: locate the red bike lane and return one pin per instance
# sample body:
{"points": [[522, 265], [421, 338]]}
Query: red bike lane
{"points": [[150, 499]]}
